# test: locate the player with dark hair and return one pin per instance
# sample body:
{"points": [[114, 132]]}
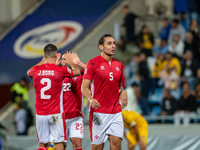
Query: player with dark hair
{"points": [[105, 73], [48, 83], [72, 102]]}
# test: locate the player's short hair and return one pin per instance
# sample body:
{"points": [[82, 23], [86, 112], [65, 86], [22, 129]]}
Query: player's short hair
{"points": [[102, 39], [50, 51], [126, 6]]}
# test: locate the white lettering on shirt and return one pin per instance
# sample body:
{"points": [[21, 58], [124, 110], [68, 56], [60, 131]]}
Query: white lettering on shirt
{"points": [[46, 73]]}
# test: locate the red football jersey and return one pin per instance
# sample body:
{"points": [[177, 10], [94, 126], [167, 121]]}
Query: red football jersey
{"points": [[72, 97], [106, 78], [48, 83]]}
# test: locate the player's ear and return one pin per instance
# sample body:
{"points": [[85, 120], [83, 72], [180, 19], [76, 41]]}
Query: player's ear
{"points": [[101, 47]]}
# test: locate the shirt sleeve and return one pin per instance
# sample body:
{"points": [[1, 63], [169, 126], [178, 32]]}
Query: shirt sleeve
{"points": [[67, 72], [89, 71], [30, 72]]}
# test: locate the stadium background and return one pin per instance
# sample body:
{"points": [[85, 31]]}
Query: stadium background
{"points": [[95, 18]]}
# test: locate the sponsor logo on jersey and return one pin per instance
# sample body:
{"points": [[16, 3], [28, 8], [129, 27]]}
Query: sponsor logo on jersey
{"points": [[61, 33], [102, 68]]}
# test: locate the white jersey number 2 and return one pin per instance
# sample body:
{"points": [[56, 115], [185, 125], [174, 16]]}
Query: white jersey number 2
{"points": [[111, 76], [48, 86]]}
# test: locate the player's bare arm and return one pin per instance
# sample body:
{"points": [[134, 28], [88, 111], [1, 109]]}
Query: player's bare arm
{"points": [[78, 62], [123, 96], [85, 89], [68, 59]]}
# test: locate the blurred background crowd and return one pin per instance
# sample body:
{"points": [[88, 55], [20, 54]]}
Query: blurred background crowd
{"points": [[162, 72]]}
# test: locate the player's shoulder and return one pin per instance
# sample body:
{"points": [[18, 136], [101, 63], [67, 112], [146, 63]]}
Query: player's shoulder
{"points": [[97, 58], [93, 61]]}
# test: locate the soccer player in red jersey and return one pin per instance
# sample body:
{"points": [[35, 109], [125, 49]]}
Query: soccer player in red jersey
{"points": [[48, 82], [72, 102], [105, 121]]}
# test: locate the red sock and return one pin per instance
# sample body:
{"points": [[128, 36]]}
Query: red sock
{"points": [[80, 148]]}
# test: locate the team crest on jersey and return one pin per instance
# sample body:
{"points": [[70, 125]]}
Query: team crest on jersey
{"points": [[117, 68], [102, 68], [61, 33]]}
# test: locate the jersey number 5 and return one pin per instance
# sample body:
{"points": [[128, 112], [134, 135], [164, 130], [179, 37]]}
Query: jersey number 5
{"points": [[48, 86], [111, 76]]}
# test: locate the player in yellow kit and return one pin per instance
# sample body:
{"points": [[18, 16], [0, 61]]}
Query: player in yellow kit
{"points": [[138, 129]]}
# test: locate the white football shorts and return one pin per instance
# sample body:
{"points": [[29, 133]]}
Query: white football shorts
{"points": [[75, 127], [51, 125], [102, 125]]}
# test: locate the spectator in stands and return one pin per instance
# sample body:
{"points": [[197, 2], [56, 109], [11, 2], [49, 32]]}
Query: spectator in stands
{"points": [[173, 62], [142, 102], [192, 45], [20, 120], [124, 51], [129, 23], [20, 88], [187, 106], [169, 103], [176, 47], [171, 80], [165, 29], [162, 48], [155, 74], [195, 30], [189, 69], [145, 41], [142, 74], [177, 28], [132, 101]]}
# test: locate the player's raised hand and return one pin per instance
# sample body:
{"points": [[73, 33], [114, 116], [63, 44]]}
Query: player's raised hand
{"points": [[68, 58], [76, 59], [124, 98], [94, 103]]}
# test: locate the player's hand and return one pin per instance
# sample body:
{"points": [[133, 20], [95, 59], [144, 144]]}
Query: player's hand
{"points": [[94, 103], [76, 59], [58, 56], [123, 98], [68, 58]]}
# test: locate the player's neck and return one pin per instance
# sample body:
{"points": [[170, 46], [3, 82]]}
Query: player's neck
{"points": [[50, 61], [107, 57]]}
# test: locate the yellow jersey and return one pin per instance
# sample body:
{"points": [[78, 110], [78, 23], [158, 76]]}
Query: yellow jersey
{"points": [[131, 118]]}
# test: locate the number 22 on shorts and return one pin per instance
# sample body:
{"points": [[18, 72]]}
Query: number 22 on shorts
{"points": [[79, 126]]}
